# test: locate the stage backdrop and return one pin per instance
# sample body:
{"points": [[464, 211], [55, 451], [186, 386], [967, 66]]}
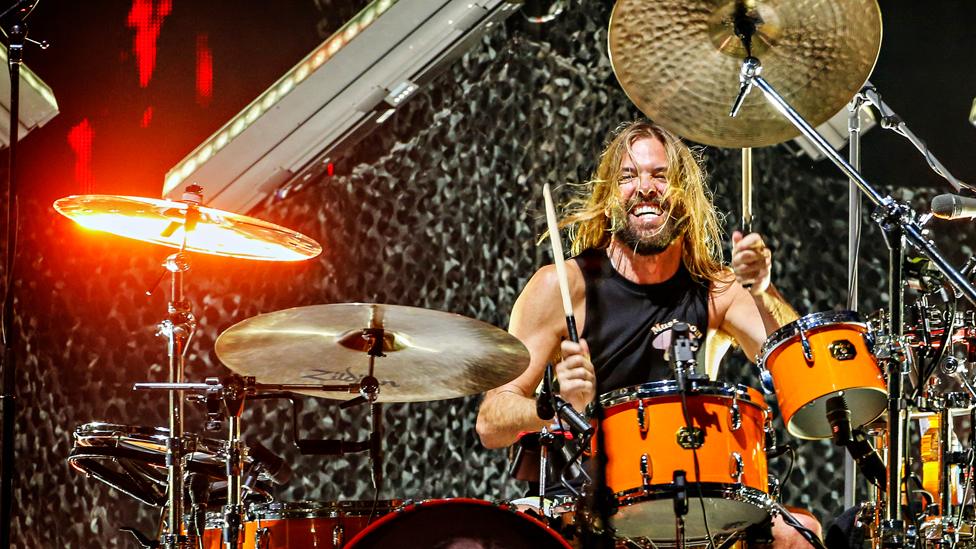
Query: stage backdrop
{"points": [[440, 209]]}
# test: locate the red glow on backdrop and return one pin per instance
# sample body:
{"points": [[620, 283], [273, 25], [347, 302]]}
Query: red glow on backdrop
{"points": [[146, 17], [146, 117], [80, 140], [204, 71]]}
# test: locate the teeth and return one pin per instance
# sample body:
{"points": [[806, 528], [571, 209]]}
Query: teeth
{"points": [[642, 210]]}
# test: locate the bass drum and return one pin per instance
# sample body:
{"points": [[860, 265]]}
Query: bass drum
{"points": [[299, 524], [458, 523]]}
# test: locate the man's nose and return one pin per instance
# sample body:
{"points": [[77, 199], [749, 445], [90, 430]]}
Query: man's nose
{"points": [[646, 185]]}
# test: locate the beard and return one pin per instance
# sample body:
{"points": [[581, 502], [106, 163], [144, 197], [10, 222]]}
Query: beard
{"points": [[647, 241]]}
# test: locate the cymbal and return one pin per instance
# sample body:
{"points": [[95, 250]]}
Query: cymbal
{"points": [[429, 355], [215, 232], [679, 62]]}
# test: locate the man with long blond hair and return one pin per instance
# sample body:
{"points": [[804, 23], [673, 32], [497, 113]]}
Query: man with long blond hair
{"points": [[647, 249]]}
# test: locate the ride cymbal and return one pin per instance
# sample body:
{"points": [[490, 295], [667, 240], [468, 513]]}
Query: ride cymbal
{"points": [[679, 62], [164, 222], [429, 355]]}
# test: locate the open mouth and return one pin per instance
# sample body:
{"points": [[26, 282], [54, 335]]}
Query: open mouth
{"points": [[646, 210]]}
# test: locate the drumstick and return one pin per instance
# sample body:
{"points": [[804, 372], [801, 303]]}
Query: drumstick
{"points": [[557, 254], [746, 195]]}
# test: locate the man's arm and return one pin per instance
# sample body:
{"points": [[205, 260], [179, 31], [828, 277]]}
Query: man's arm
{"points": [[539, 323], [756, 312]]}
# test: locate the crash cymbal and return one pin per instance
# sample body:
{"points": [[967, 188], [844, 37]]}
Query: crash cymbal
{"points": [[429, 355], [215, 232], [679, 62]]}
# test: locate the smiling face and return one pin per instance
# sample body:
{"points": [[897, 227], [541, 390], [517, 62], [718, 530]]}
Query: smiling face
{"points": [[645, 220]]}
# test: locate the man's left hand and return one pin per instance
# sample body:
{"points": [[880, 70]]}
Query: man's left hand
{"points": [[751, 261]]}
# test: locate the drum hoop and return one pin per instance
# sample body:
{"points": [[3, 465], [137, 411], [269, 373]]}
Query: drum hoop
{"points": [[410, 506], [308, 509], [99, 434], [670, 388], [710, 490], [806, 323]]}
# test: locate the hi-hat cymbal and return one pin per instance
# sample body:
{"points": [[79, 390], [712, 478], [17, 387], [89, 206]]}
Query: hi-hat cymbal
{"points": [[214, 232], [679, 62], [429, 355]]}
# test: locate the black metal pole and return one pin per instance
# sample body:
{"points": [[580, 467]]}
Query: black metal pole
{"points": [[15, 50]]}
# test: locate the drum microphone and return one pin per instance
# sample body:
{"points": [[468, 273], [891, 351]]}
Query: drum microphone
{"points": [[272, 464], [868, 460], [548, 406], [839, 417], [953, 206]]}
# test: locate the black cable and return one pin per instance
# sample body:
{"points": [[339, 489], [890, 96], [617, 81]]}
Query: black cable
{"points": [[789, 472], [926, 371]]}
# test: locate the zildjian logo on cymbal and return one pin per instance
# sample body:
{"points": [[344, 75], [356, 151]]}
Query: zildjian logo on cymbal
{"points": [[344, 377]]}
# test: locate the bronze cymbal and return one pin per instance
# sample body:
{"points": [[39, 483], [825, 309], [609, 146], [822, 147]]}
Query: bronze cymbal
{"points": [[214, 232], [429, 355], [679, 62]]}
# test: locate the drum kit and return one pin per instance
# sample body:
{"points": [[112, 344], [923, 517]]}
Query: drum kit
{"points": [[673, 463]]}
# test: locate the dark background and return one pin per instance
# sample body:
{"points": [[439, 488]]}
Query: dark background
{"points": [[446, 220]]}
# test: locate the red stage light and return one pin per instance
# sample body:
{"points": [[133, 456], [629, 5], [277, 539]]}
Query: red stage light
{"points": [[80, 139], [204, 71], [146, 17]]}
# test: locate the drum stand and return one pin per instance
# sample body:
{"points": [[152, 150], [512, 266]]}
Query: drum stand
{"points": [[178, 329], [898, 221]]}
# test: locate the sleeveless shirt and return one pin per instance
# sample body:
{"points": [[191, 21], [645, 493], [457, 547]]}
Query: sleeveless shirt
{"points": [[628, 325]]}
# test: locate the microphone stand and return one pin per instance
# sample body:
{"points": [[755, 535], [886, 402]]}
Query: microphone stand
{"points": [[899, 224], [16, 37]]}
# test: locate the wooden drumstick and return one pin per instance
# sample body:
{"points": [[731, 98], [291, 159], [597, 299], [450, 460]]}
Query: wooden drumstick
{"points": [[557, 254], [746, 195], [746, 190]]}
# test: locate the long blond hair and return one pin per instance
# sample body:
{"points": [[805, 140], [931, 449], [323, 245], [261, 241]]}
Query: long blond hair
{"points": [[588, 217]]}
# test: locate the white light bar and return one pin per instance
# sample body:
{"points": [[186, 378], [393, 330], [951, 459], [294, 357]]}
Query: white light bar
{"points": [[339, 92], [37, 102]]}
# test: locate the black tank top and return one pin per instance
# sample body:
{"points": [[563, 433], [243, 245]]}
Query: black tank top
{"points": [[628, 325]]}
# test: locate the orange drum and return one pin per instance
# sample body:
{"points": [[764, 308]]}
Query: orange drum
{"points": [[820, 356], [646, 439], [300, 524], [458, 523]]}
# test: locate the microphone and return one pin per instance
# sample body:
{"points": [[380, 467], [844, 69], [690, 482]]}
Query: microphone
{"points": [[274, 465], [839, 417], [953, 206], [199, 491], [543, 402], [868, 460]]}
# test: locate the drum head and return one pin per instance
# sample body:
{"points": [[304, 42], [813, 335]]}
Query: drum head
{"points": [[727, 509], [458, 524]]}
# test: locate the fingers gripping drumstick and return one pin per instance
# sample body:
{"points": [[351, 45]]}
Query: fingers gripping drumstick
{"points": [[557, 254]]}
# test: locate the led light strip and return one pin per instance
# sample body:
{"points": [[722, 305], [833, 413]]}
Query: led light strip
{"points": [[275, 93]]}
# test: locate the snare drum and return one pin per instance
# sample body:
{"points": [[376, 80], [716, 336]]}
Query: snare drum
{"points": [[299, 524], [820, 356], [458, 523], [647, 439], [132, 459]]}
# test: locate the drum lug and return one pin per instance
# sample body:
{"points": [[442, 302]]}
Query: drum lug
{"points": [[262, 537], [807, 349], [736, 467], [735, 416], [766, 380], [642, 419], [338, 535], [647, 471]]}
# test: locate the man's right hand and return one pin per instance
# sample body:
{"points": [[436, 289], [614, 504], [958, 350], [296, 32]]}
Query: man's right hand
{"points": [[575, 374]]}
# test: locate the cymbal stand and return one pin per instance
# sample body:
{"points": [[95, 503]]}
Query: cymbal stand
{"points": [[899, 224], [178, 329]]}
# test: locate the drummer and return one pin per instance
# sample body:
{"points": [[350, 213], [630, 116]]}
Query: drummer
{"points": [[647, 249]]}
